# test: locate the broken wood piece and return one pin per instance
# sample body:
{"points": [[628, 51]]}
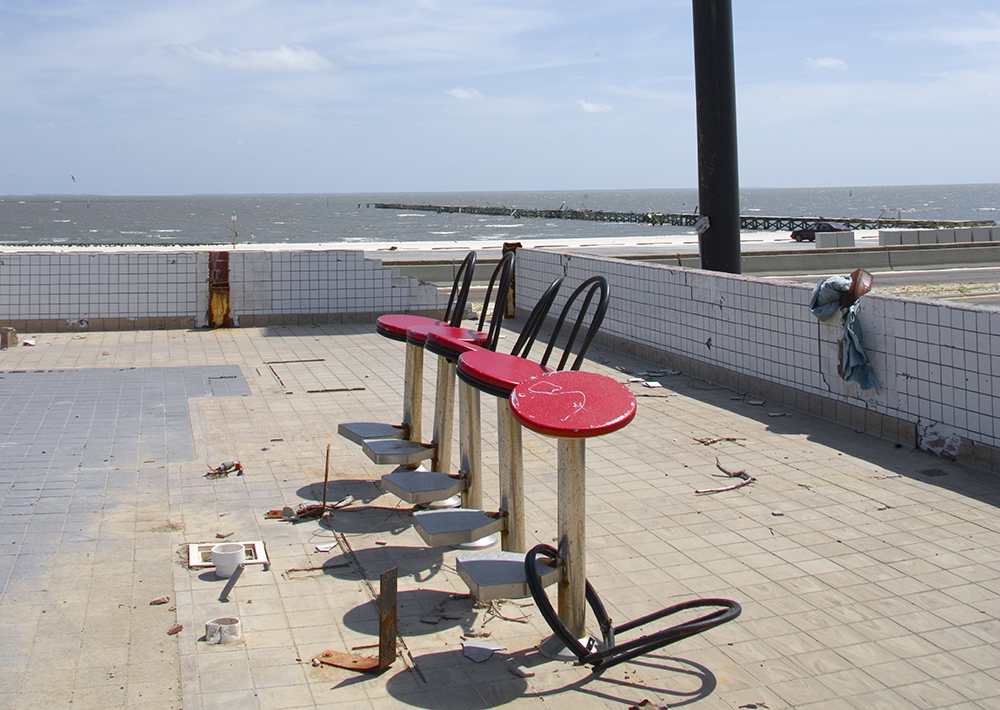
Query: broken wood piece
{"points": [[708, 441], [476, 634], [314, 569], [159, 600], [175, 629], [746, 480]]}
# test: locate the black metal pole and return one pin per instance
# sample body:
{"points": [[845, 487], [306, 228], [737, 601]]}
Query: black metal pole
{"points": [[715, 95]]}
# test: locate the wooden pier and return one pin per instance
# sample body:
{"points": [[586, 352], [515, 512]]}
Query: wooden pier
{"points": [[657, 219]]}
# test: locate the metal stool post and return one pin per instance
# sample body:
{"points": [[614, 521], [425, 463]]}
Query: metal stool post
{"points": [[571, 406], [413, 392], [572, 534], [470, 436], [511, 467]]}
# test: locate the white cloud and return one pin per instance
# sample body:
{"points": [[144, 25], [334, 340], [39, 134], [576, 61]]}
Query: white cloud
{"points": [[282, 59], [464, 94], [826, 63], [589, 107]]}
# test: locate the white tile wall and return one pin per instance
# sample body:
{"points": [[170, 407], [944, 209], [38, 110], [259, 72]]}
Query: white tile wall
{"points": [[934, 362], [98, 285], [135, 284], [334, 281]]}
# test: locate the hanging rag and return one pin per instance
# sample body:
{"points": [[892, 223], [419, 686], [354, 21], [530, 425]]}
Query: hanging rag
{"points": [[842, 293]]}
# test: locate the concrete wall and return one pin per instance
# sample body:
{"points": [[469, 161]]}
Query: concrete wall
{"points": [[143, 289], [893, 237], [937, 365]]}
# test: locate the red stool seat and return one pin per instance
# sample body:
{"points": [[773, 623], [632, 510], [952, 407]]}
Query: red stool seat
{"points": [[395, 325], [572, 405], [496, 373], [450, 344], [419, 334]]}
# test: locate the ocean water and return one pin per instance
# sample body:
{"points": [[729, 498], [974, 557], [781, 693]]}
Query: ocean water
{"points": [[349, 220]]}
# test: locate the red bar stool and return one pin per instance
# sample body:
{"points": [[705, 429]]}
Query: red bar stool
{"points": [[498, 374], [395, 326], [438, 486], [470, 527], [572, 407]]}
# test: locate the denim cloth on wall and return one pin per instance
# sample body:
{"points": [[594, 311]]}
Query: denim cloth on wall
{"points": [[825, 301]]}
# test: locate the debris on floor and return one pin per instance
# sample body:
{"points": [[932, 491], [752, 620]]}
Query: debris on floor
{"points": [[647, 704], [175, 629], [306, 511], [160, 600], [480, 651], [224, 469], [746, 480], [349, 661], [708, 441]]}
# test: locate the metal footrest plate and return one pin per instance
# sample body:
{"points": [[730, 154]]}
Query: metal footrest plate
{"points": [[421, 486], [500, 575], [454, 526], [359, 431], [399, 452]]}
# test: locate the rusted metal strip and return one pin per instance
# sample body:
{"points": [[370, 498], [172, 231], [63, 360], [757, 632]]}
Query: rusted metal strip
{"points": [[387, 619]]}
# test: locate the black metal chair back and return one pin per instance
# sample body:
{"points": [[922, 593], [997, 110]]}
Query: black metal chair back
{"points": [[594, 287], [503, 276], [459, 296]]}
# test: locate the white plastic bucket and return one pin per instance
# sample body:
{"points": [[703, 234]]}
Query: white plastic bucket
{"points": [[223, 630], [226, 556]]}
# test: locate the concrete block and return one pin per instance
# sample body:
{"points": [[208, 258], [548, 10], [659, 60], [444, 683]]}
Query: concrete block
{"points": [[909, 236], [945, 236], [927, 236], [833, 240], [979, 234], [889, 237]]}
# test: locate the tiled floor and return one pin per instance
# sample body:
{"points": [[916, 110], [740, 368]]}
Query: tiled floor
{"points": [[868, 574]]}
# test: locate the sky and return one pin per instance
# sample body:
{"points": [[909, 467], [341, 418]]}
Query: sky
{"points": [[142, 97]]}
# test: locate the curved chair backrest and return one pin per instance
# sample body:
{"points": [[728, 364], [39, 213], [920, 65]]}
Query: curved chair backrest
{"points": [[460, 291], [503, 276], [535, 319], [594, 286]]}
